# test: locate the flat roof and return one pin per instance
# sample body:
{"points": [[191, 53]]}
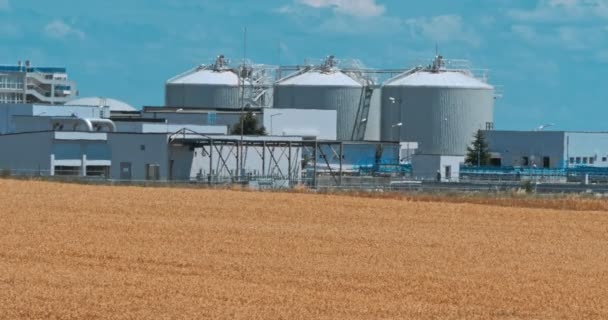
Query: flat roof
{"points": [[546, 131], [186, 110], [13, 68]]}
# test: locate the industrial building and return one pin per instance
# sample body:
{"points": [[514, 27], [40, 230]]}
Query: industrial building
{"points": [[331, 119], [25, 83], [548, 149]]}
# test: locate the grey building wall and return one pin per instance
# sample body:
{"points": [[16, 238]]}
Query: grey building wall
{"points": [[513, 146], [10, 112], [138, 150], [441, 120], [29, 153], [26, 153]]}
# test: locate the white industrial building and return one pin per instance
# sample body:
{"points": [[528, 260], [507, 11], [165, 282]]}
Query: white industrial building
{"points": [[146, 156], [24, 83]]}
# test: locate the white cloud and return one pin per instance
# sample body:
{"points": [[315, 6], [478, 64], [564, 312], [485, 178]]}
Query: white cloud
{"points": [[358, 8], [4, 5], [564, 37], [60, 30], [443, 29], [355, 26], [562, 10]]}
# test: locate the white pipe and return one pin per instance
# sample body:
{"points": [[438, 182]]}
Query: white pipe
{"points": [[88, 123], [106, 123]]}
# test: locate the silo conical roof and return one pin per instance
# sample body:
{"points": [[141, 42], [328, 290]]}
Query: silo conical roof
{"points": [[320, 78], [207, 76], [441, 79]]}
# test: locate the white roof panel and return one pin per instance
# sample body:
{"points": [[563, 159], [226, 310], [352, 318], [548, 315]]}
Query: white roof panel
{"points": [[444, 79], [317, 78]]}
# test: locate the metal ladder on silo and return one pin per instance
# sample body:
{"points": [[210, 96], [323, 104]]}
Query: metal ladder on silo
{"points": [[361, 119]]}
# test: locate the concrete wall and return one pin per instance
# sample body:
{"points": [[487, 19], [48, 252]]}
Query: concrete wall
{"points": [[513, 146]]}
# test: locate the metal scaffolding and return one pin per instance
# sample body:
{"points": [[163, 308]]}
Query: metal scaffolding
{"points": [[300, 155]]}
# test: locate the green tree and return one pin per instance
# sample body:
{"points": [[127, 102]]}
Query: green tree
{"points": [[251, 126], [477, 152]]}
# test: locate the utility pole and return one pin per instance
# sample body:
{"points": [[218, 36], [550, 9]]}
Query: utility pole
{"points": [[242, 77], [478, 154]]}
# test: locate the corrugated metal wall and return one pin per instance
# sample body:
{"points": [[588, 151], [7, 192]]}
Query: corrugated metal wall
{"points": [[345, 100], [203, 96], [442, 120], [372, 128]]}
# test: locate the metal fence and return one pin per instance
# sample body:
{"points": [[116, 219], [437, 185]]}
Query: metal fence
{"points": [[324, 183]]}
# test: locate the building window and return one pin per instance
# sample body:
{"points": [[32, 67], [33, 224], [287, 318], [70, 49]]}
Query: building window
{"points": [[211, 118], [578, 160], [489, 126], [571, 160], [142, 147], [525, 161], [604, 159], [585, 160], [592, 160]]}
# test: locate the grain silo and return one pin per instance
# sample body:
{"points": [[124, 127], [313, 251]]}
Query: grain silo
{"points": [[211, 87], [437, 107], [324, 87]]}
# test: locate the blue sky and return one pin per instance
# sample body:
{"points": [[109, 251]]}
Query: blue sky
{"points": [[549, 56]]}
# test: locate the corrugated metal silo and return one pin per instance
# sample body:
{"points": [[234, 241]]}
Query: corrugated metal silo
{"points": [[323, 88], [210, 87], [439, 108]]}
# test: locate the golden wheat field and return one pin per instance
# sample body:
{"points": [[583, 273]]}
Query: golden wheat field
{"points": [[84, 252]]}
